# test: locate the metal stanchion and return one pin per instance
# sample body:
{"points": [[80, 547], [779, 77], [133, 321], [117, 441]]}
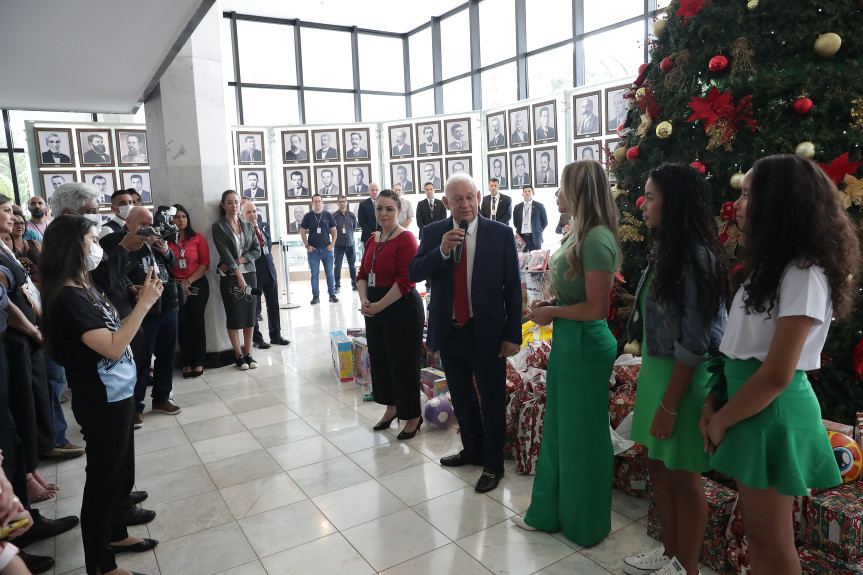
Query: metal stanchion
{"points": [[286, 278]]}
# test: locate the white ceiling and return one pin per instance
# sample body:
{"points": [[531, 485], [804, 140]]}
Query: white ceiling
{"points": [[90, 56], [388, 15]]}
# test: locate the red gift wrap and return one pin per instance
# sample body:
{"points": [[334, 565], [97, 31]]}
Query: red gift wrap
{"points": [[738, 545], [630, 472], [834, 520], [817, 562], [529, 434], [621, 403]]}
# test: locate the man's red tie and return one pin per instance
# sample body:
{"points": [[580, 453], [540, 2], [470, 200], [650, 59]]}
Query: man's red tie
{"points": [[260, 237], [460, 303]]}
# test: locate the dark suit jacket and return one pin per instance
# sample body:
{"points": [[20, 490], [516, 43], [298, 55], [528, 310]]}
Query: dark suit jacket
{"points": [[565, 219], [331, 154], [223, 239], [292, 192], [361, 154], [426, 216], [424, 148], [94, 157], [301, 155], [495, 287], [366, 219], [520, 138], [352, 189], [538, 221], [259, 193], [405, 151], [435, 182], [48, 158], [267, 266], [497, 141], [504, 208], [522, 181], [545, 134], [408, 186], [250, 156]]}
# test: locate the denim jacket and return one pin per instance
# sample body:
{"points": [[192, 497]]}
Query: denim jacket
{"points": [[678, 330]]}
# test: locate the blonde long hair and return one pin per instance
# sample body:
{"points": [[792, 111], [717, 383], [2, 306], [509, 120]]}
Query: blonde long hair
{"points": [[585, 187]]}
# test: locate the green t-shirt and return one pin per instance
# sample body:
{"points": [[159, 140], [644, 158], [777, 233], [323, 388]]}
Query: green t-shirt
{"points": [[598, 253]]}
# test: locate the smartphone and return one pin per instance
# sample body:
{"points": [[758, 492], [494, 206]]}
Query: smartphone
{"points": [[15, 525], [193, 291]]}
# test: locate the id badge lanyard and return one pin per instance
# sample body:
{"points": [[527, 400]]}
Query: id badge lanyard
{"points": [[378, 249], [181, 263]]}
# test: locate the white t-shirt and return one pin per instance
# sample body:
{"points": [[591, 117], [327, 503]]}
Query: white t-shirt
{"points": [[801, 292]]}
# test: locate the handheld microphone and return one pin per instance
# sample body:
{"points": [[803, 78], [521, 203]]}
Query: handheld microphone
{"points": [[462, 225]]}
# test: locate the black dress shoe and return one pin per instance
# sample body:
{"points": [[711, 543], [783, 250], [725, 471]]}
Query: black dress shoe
{"points": [[137, 516], [409, 434], [381, 425], [262, 345], [458, 460], [138, 547], [45, 528], [488, 480], [138, 496], [279, 340], [35, 563]]}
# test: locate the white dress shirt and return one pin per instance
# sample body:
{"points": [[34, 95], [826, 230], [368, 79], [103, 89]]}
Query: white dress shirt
{"points": [[525, 220], [468, 255]]}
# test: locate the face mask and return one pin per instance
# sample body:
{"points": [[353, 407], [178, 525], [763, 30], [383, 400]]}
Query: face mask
{"points": [[96, 219], [123, 211], [37, 213], [94, 258]]}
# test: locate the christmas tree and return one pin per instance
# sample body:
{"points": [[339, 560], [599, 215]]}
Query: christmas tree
{"points": [[731, 81]]}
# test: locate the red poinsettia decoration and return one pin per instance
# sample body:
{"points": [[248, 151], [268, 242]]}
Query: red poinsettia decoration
{"points": [[728, 212], [722, 118], [839, 168], [689, 8]]}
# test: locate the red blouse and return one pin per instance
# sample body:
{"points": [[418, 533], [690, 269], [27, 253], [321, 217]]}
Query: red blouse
{"points": [[392, 263], [197, 253]]}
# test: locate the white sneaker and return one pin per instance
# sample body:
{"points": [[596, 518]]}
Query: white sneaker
{"points": [[519, 522], [673, 568], [646, 563]]}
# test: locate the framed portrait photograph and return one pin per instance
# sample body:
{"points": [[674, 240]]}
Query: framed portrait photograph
{"points": [[139, 180], [545, 162], [103, 181], [253, 182], [297, 181], [356, 143], [250, 148], [132, 147], [327, 181], [400, 141], [545, 122], [615, 108], [519, 126], [495, 126], [263, 210], [357, 178], [355, 208], [331, 206], [498, 168], [53, 180], [457, 136], [428, 138], [588, 151], [295, 211], [55, 146], [326, 143], [430, 171], [402, 174], [95, 147], [295, 145], [519, 169], [458, 166], [586, 115]]}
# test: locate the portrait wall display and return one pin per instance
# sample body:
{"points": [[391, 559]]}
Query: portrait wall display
{"points": [[458, 166], [586, 115], [331, 206], [263, 213], [297, 181], [519, 126], [428, 138], [430, 171], [356, 143], [402, 173], [139, 180], [401, 137], [253, 182], [357, 178], [294, 212], [498, 168], [103, 181], [132, 147], [615, 108], [96, 147], [326, 143], [327, 181], [457, 136], [55, 146], [495, 126], [545, 122], [250, 148], [519, 169], [545, 166], [588, 151], [355, 208], [295, 146], [53, 180]]}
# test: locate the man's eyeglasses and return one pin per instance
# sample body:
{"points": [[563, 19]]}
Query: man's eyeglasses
{"points": [[18, 223]]}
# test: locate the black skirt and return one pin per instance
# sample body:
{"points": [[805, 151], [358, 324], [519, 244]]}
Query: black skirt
{"points": [[240, 309]]}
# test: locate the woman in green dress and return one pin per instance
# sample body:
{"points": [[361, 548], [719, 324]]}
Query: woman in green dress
{"points": [[679, 319], [572, 487]]}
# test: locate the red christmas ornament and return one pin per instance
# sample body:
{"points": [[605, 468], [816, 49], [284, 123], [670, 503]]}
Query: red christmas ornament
{"points": [[642, 68], [640, 201], [698, 166], [632, 153], [666, 65], [718, 63], [802, 106]]}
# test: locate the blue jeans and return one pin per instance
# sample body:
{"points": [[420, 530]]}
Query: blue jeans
{"points": [[339, 252], [317, 256], [57, 380], [161, 333]]}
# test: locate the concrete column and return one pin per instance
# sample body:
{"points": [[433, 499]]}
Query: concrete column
{"points": [[189, 147]]}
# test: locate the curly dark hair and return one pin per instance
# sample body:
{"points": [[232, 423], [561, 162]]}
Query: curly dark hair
{"points": [[688, 225], [795, 215]]}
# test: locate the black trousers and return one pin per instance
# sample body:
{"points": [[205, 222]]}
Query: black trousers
{"points": [[107, 429], [30, 397], [141, 351], [528, 243], [190, 328], [270, 287], [395, 338], [481, 418]]}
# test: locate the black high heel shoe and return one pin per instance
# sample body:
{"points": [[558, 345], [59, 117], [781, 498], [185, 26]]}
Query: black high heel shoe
{"points": [[381, 425], [409, 434]]}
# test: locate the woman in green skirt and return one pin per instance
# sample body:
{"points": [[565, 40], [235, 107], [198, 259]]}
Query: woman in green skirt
{"points": [[679, 319], [572, 487], [801, 250]]}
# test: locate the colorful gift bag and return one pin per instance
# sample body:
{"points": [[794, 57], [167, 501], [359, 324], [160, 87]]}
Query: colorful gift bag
{"points": [[529, 436]]}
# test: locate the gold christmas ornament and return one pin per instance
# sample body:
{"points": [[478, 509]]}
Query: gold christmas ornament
{"points": [[646, 122], [620, 155], [737, 180], [827, 44], [633, 347], [659, 27], [857, 114], [805, 150], [628, 229], [752, 4], [640, 94], [663, 130]]}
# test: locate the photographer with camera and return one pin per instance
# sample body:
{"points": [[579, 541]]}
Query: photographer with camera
{"points": [[160, 324]]}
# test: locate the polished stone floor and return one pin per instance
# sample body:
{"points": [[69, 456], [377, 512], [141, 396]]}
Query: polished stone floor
{"points": [[276, 470]]}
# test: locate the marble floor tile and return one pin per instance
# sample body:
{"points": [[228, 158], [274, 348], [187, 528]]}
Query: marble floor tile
{"points": [[217, 448], [252, 568], [436, 444], [259, 495], [189, 515], [330, 554], [226, 376], [388, 458], [421, 483], [266, 416], [211, 428], [210, 551], [176, 485], [276, 372], [447, 559], [191, 398], [576, 564], [462, 513], [358, 438], [328, 476], [250, 402], [159, 440], [154, 421], [514, 490], [507, 548], [304, 452], [337, 419], [632, 507], [241, 389], [297, 392], [358, 504], [242, 468], [609, 553], [71, 483], [285, 527], [165, 461], [201, 412], [316, 404], [283, 432]]}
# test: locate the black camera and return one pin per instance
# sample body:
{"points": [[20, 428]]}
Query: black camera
{"points": [[163, 223]]}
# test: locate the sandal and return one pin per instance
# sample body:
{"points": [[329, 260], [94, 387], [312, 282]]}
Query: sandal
{"points": [[45, 495], [63, 399]]}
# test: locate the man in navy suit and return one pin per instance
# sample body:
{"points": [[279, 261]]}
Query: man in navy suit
{"points": [[474, 320], [530, 220], [366, 214], [267, 282]]}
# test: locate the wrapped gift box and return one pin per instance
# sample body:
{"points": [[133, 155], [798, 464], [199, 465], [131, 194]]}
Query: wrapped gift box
{"points": [[738, 545], [630, 472], [834, 520], [621, 403], [538, 354], [625, 370], [343, 362], [817, 562], [362, 366], [529, 436]]}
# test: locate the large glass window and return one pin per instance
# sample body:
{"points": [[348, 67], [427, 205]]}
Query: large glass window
{"points": [[266, 107], [457, 96], [327, 59], [382, 108], [499, 86], [381, 63], [422, 67], [329, 107], [267, 53], [455, 44], [614, 54], [550, 71], [227, 50], [597, 14], [548, 22], [422, 104], [496, 31]]}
